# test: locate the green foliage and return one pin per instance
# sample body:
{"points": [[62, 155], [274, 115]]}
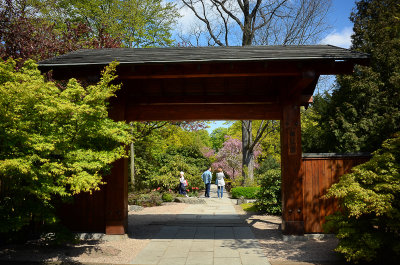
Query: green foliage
{"points": [[312, 134], [167, 197], [187, 159], [269, 197], [249, 207], [368, 224], [162, 150], [139, 23], [267, 163], [246, 192], [55, 142], [193, 192], [237, 182], [153, 198], [218, 138], [364, 108]]}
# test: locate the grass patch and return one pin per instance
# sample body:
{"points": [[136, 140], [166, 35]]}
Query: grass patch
{"points": [[246, 192], [249, 207]]}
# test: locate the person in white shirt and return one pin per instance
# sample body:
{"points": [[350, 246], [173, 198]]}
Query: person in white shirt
{"points": [[183, 183], [220, 182]]}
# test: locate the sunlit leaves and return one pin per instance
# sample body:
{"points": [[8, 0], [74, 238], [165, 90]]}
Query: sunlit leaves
{"points": [[368, 223], [55, 142], [138, 23]]}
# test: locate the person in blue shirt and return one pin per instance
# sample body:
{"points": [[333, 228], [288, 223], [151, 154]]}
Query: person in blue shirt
{"points": [[207, 176]]}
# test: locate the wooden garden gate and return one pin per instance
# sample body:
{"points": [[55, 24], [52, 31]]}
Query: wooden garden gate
{"points": [[205, 83]]}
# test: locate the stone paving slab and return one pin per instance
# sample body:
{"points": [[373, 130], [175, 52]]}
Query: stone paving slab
{"points": [[204, 234]]}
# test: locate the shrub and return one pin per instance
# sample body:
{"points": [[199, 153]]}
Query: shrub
{"points": [[56, 141], [193, 192], [167, 197], [237, 182], [168, 175], [368, 224], [269, 196], [246, 192], [153, 198]]}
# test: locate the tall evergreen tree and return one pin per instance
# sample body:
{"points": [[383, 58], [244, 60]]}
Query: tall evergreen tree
{"points": [[364, 109]]}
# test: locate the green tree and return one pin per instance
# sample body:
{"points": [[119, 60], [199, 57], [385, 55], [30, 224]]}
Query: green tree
{"points": [[138, 23], [24, 35], [312, 127], [218, 138], [368, 224], [162, 153], [364, 108], [54, 142], [269, 140]]}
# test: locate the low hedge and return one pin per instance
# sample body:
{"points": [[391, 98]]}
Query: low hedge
{"points": [[167, 197], [147, 200], [246, 192]]}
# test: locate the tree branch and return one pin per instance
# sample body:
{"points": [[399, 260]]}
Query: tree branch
{"points": [[225, 25], [204, 19], [260, 133], [221, 4]]}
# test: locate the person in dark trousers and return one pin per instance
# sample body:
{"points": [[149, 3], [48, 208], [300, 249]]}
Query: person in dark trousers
{"points": [[220, 183], [207, 176], [182, 184]]}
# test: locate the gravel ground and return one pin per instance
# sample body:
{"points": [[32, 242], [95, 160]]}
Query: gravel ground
{"points": [[266, 229], [122, 251]]}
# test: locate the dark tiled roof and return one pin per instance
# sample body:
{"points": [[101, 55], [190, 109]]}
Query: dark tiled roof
{"points": [[202, 54]]}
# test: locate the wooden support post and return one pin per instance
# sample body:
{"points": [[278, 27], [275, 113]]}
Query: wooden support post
{"points": [[116, 203], [292, 183], [117, 199]]}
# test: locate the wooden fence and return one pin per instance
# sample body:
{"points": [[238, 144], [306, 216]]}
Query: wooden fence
{"points": [[319, 172]]}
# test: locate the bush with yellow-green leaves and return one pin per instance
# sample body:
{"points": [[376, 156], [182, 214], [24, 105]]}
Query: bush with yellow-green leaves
{"points": [[368, 225], [55, 141]]}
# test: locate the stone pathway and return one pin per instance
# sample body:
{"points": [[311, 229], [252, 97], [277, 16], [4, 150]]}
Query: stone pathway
{"points": [[204, 234]]}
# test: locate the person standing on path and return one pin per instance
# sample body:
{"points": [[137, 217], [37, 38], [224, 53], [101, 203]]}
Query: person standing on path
{"points": [[182, 184], [207, 176], [220, 182]]}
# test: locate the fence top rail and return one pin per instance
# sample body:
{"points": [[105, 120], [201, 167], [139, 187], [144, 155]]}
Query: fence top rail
{"points": [[335, 155]]}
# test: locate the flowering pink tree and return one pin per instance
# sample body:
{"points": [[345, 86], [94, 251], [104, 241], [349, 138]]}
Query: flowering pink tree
{"points": [[229, 157], [207, 152]]}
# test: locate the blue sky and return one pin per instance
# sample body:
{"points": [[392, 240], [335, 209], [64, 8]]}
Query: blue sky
{"points": [[342, 27], [338, 35]]}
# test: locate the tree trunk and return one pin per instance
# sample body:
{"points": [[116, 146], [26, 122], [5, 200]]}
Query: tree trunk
{"points": [[248, 157]]}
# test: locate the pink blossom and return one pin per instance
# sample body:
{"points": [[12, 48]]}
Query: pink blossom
{"points": [[230, 156], [207, 152]]}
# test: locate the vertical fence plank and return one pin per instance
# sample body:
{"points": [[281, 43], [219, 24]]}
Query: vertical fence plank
{"points": [[320, 172]]}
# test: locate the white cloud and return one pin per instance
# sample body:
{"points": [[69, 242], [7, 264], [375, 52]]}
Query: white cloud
{"points": [[188, 20], [340, 39]]}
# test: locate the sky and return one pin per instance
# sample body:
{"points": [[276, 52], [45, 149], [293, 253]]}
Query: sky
{"points": [[342, 27], [339, 35]]}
